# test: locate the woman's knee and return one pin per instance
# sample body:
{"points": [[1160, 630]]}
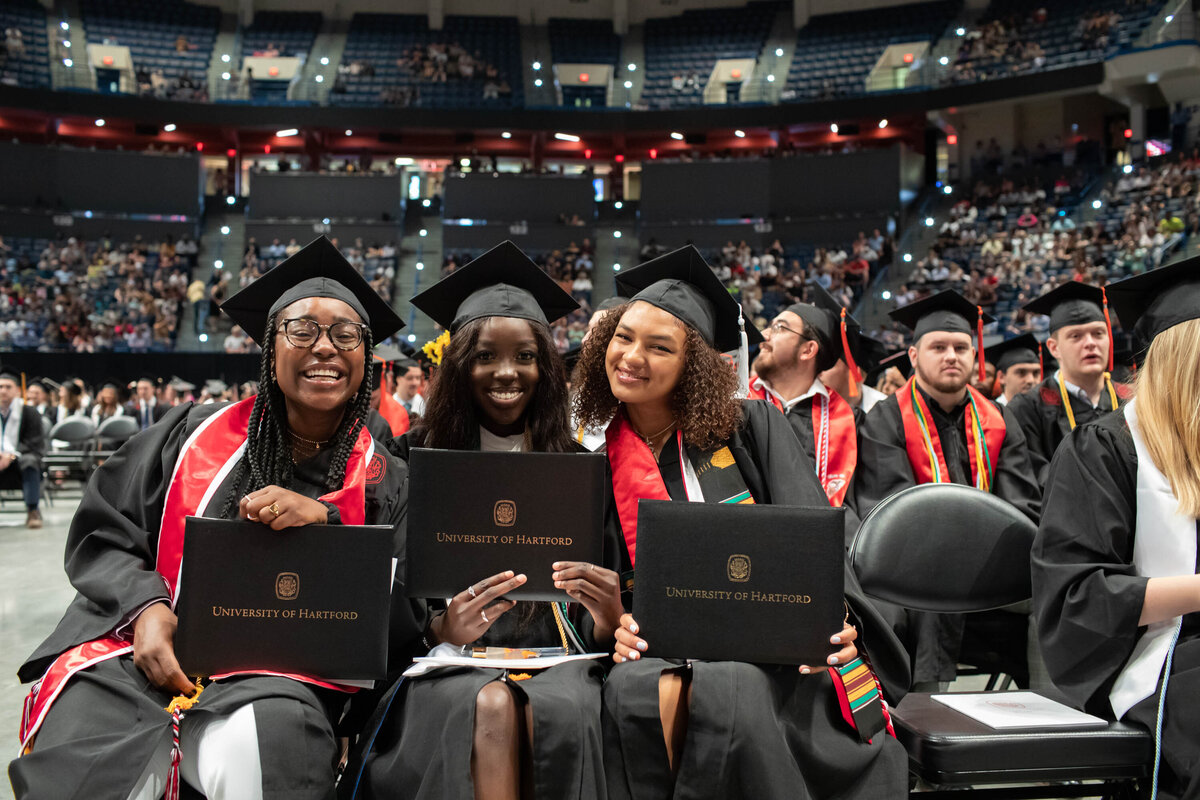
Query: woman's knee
{"points": [[496, 709]]}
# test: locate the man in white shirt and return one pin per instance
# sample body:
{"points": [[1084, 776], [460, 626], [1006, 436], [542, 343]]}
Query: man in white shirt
{"points": [[409, 382], [22, 444]]}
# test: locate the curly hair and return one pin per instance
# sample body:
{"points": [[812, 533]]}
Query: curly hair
{"points": [[451, 420], [704, 402]]}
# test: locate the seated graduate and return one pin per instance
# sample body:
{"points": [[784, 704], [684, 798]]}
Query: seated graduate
{"points": [[22, 445], [1115, 588], [488, 733], [296, 454], [717, 729]]}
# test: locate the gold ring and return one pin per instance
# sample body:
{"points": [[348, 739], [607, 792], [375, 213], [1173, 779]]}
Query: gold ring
{"points": [[274, 509]]}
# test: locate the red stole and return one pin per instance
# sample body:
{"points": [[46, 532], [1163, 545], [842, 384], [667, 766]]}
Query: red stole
{"points": [[394, 413], [634, 475], [925, 447], [205, 460], [835, 439]]}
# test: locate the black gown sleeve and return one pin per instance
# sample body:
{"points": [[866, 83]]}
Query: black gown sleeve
{"points": [[883, 467], [32, 444], [113, 537], [1087, 599], [1029, 415], [1014, 481]]}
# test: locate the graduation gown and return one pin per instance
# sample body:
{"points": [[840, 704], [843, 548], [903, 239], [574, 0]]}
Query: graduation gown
{"points": [[418, 742], [1088, 599], [756, 731], [102, 730], [1043, 419], [934, 640], [31, 439]]}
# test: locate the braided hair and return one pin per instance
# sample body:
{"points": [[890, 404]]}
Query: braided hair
{"points": [[267, 459]]}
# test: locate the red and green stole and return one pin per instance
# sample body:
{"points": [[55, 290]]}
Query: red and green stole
{"points": [[835, 440], [207, 457], [985, 436]]}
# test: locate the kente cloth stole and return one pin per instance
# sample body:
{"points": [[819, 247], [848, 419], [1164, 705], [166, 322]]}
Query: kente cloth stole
{"points": [[985, 436], [835, 440], [860, 699], [207, 457], [635, 475]]}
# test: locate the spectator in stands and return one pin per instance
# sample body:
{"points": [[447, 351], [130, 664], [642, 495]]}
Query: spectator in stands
{"points": [[22, 444], [237, 341], [14, 42]]}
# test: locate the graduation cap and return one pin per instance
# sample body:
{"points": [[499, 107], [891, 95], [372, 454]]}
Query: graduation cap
{"points": [[180, 385], [571, 357], [1154, 301], [945, 311], [612, 302], [1023, 349], [503, 282], [682, 284], [1074, 303], [833, 334], [215, 387], [10, 374], [898, 359], [46, 384], [318, 270]]}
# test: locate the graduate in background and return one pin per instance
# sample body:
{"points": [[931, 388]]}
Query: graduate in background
{"points": [[1115, 588], [939, 429], [1081, 389], [463, 732], [1018, 366], [718, 729], [296, 454]]}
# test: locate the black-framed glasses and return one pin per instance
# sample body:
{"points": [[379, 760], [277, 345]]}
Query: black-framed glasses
{"points": [[304, 333], [778, 327]]}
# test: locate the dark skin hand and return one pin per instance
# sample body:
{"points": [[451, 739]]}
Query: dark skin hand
{"points": [[630, 647], [464, 618], [154, 649], [598, 589], [295, 509]]}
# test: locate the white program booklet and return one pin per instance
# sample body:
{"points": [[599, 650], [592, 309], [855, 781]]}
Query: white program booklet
{"points": [[1018, 710], [447, 656]]}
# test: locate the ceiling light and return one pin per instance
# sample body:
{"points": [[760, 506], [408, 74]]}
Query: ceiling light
{"points": [[632, 67], [741, 134], [538, 83], [506, 135], [779, 52], [833, 128], [99, 123], [225, 57], [677, 136], [628, 84], [169, 127], [882, 124], [537, 65], [324, 61], [286, 132], [566, 137]]}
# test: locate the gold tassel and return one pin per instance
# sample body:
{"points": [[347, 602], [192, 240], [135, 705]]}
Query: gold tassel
{"points": [[184, 702]]}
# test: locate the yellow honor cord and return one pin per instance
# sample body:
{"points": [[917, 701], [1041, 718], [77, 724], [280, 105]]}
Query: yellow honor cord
{"points": [[1062, 391]]}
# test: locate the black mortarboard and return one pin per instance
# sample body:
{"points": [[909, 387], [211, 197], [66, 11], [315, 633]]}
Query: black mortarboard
{"points": [[318, 270], [1073, 303], [898, 359], [571, 358], [1023, 349], [180, 385], [11, 375], [503, 282], [823, 320], [682, 284], [215, 386], [46, 384], [1150, 303], [945, 311], [388, 353], [612, 302]]}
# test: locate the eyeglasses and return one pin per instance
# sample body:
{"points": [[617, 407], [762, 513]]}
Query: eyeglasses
{"points": [[777, 328], [305, 333]]}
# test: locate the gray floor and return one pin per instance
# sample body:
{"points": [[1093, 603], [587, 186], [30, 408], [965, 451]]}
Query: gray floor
{"points": [[34, 592]]}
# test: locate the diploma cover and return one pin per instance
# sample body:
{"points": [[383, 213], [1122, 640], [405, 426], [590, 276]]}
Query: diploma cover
{"points": [[762, 584], [472, 515], [311, 600]]}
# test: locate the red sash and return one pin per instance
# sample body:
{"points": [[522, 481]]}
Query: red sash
{"points": [[207, 456], [835, 440], [634, 475], [925, 447]]}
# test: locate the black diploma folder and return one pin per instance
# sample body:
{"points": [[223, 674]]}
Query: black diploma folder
{"points": [[472, 515], [756, 583], [312, 600]]}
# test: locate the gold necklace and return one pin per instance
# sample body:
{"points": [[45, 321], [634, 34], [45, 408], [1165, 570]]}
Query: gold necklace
{"points": [[307, 444], [650, 440]]}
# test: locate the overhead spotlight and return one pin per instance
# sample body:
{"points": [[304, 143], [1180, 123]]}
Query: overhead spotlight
{"points": [[218, 264], [886, 295], [566, 137], [349, 132], [426, 202], [203, 338], [618, 205], [882, 124], [632, 67], [420, 265], [741, 134], [225, 76], [537, 65], [907, 257], [99, 123], [616, 267], [506, 135], [1097, 204], [833, 127], [464, 162], [779, 52], [324, 61], [677, 136], [616, 234], [961, 32], [319, 78], [947, 189], [286, 132], [64, 25], [1169, 18], [169, 127], [770, 79], [225, 57], [230, 200], [628, 84], [68, 62], [325, 221], [67, 43], [423, 233], [412, 337], [224, 230], [538, 83], [944, 60], [929, 222], [1127, 169]]}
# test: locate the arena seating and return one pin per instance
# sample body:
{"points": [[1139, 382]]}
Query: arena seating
{"points": [[583, 41], [291, 33], [691, 44], [152, 30], [30, 67], [377, 41], [836, 52]]}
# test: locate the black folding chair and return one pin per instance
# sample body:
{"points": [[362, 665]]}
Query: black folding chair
{"points": [[112, 433], [947, 548], [73, 458]]}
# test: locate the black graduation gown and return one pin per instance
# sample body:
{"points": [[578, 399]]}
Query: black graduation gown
{"points": [[103, 729], [884, 469], [757, 731], [418, 742], [31, 439], [1043, 419], [1088, 600]]}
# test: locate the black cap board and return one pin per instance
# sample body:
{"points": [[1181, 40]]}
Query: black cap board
{"points": [[945, 311], [1154, 301], [822, 322], [898, 359], [612, 302], [318, 270], [1073, 303], [503, 282], [867, 351], [682, 284], [1021, 349], [180, 385], [12, 375]]}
